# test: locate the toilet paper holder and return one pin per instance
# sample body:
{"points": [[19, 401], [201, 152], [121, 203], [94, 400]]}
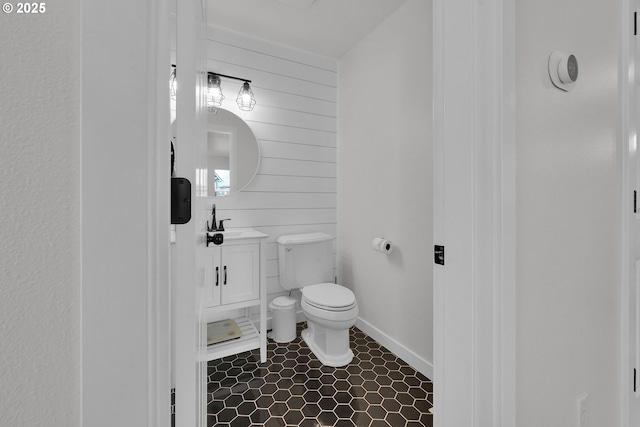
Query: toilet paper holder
{"points": [[381, 244]]}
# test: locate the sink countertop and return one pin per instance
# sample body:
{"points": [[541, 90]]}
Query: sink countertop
{"points": [[240, 233]]}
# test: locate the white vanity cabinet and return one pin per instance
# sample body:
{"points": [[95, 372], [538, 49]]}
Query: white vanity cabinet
{"points": [[235, 287], [236, 274]]}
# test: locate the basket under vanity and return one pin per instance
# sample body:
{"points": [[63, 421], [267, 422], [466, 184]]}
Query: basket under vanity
{"points": [[235, 284]]}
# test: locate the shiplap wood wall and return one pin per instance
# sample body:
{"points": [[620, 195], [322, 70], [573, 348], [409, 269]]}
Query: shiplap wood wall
{"points": [[295, 123]]}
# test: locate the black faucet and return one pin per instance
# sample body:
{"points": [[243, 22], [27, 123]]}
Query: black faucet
{"points": [[221, 226], [213, 226]]}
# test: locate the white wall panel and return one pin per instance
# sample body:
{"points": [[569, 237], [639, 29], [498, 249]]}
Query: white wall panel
{"points": [[270, 166], [261, 46], [280, 116], [292, 184], [295, 102], [272, 251], [275, 81], [295, 124], [272, 268], [272, 132], [279, 150], [262, 200], [275, 217], [272, 64]]}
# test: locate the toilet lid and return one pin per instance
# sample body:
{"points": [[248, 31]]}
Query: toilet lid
{"points": [[328, 295]]}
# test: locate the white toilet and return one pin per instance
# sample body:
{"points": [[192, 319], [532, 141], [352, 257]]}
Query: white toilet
{"points": [[306, 263]]}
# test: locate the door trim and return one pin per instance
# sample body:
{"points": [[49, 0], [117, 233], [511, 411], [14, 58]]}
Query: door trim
{"points": [[189, 363], [475, 168], [158, 284], [627, 133], [125, 122]]}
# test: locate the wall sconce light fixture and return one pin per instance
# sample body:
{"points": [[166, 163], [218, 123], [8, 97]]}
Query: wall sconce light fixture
{"points": [[245, 100]]}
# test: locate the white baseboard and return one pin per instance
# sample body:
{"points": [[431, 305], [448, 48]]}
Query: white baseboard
{"points": [[416, 362]]}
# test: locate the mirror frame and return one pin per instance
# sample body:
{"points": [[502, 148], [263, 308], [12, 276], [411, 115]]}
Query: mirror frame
{"points": [[210, 127]]}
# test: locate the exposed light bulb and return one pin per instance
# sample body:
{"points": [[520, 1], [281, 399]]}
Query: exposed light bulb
{"points": [[214, 91], [246, 101]]}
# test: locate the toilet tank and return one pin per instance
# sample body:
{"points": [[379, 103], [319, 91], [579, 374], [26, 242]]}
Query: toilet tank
{"points": [[305, 259]]}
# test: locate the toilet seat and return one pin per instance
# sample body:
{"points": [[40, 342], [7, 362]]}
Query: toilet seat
{"points": [[329, 296]]}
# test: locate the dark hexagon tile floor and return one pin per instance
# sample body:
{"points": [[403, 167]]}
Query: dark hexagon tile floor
{"points": [[292, 388]]}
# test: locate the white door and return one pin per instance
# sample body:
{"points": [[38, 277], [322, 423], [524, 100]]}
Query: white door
{"points": [[240, 273], [189, 363], [631, 214]]}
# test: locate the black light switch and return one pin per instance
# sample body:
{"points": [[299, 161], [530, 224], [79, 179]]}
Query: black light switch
{"points": [[438, 254]]}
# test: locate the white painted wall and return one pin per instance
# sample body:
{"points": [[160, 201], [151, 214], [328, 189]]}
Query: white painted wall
{"points": [[385, 183], [40, 216], [295, 123], [568, 216]]}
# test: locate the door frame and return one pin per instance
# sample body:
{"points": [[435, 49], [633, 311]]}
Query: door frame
{"points": [[189, 364], [125, 212], [629, 178], [482, 134], [475, 213]]}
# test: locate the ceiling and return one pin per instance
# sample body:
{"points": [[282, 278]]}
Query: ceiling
{"points": [[326, 27]]}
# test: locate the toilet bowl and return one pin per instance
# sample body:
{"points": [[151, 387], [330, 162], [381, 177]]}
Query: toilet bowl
{"points": [[330, 310], [306, 263]]}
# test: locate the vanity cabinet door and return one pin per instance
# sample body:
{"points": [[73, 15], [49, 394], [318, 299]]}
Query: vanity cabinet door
{"points": [[213, 282], [240, 273]]}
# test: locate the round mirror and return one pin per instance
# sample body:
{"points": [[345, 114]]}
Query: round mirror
{"points": [[233, 154]]}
